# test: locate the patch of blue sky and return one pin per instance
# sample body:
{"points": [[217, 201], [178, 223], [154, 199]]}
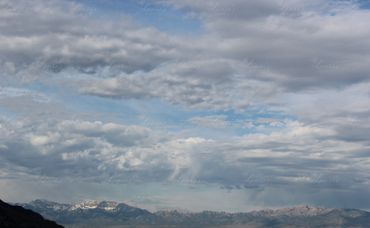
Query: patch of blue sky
{"points": [[103, 109], [6, 114], [253, 119], [90, 107], [146, 112], [160, 115], [146, 12], [157, 114], [40, 87], [364, 4]]}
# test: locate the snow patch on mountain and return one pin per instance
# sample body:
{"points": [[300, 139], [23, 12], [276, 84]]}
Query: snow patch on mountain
{"points": [[87, 204], [306, 211]]}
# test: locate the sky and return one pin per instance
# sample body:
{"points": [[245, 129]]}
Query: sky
{"points": [[227, 105]]}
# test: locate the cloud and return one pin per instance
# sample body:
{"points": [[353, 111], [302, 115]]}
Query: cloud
{"points": [[249, 52], [305, 61], [53, 36], [194, 84], [239, 63], [108, 152], [93, 151], [59, 149], [297, 157]]}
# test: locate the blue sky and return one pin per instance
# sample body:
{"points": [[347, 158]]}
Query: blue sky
{"points": [[261, 103], [163, 17]]}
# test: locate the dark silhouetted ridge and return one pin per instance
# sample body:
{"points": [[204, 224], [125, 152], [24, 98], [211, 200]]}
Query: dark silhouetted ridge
{"points": [[19, 217]]}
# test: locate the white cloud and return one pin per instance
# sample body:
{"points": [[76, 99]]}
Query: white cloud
{"points": [[283, 46], [51, 36], [91, 149]]}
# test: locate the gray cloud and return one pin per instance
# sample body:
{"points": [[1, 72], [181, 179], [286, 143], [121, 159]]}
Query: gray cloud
{"points": [[235, 64], [195, 84], [76, 148], [108, 152], [55, 35], [304, 60], [275, 53]]}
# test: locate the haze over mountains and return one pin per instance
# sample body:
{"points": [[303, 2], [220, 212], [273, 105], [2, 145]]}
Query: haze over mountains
{"points": [[113, 214]]}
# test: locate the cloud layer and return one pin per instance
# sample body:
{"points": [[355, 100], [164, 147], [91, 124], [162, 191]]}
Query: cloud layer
{"points": [[273, 97]]}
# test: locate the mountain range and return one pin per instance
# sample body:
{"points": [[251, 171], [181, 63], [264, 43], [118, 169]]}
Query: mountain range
{"points": [[111, 214]]}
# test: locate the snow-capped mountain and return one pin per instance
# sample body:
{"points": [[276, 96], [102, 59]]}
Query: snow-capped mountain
{"points": [[89, 210], [88, 204], [112, 214], [108, 205], [83, 205]]}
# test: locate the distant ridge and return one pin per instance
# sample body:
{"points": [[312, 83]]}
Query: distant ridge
{"points": [[109, 214], [18, 217]]}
